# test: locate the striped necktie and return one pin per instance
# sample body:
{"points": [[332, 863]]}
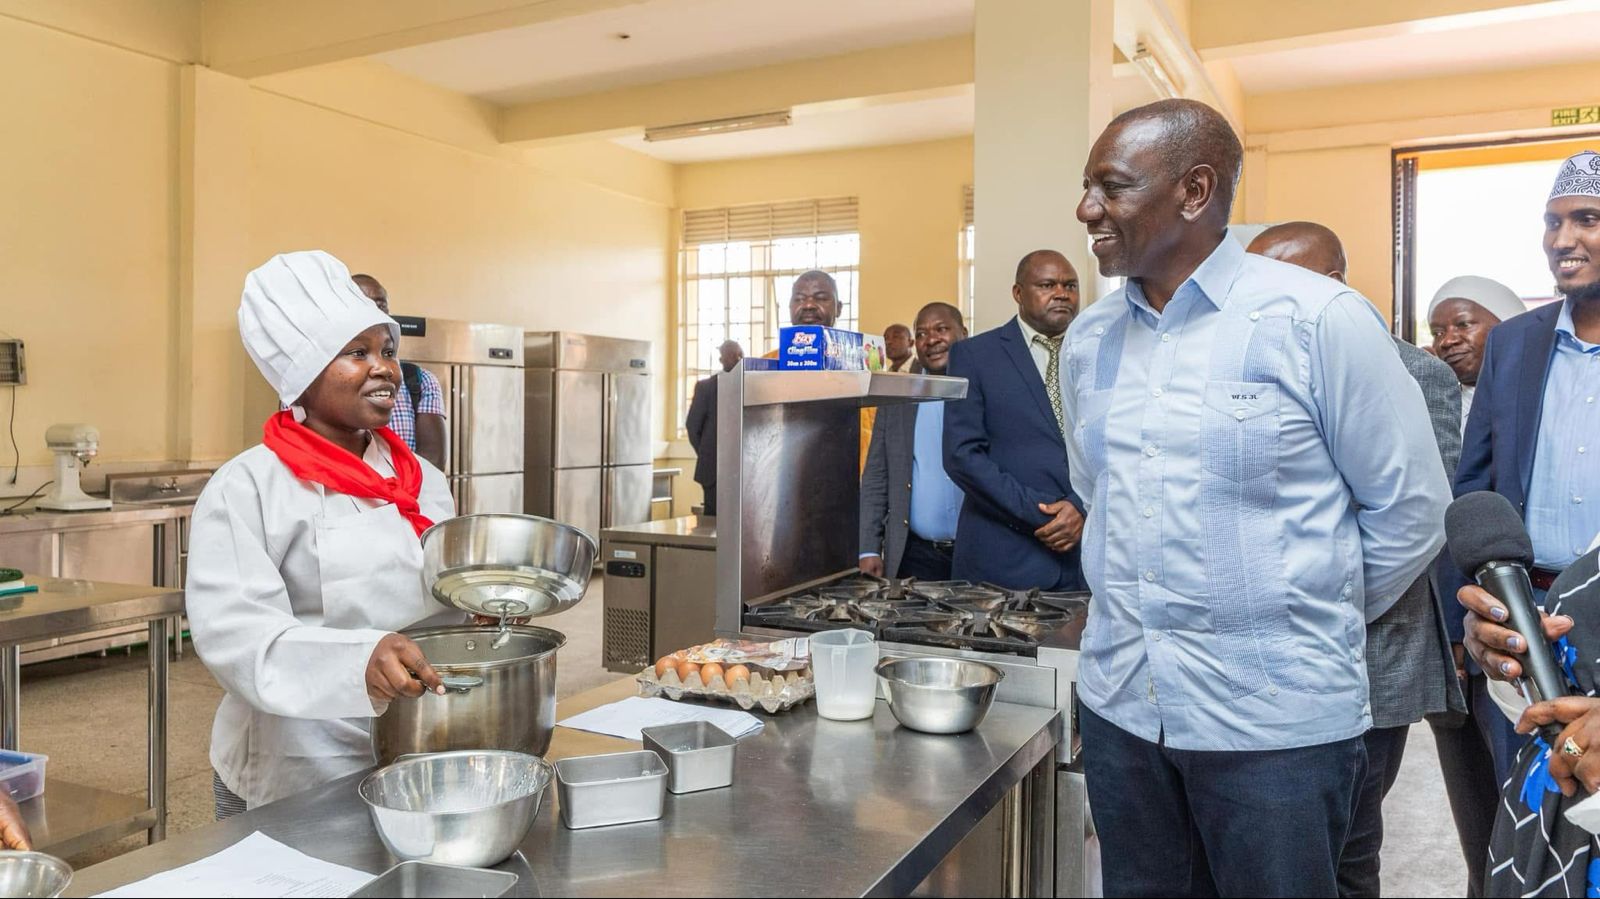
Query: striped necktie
{"points": [[1052, 376]]}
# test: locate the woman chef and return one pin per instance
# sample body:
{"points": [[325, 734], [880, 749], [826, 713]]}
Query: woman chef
{"points": [[304, 554]]}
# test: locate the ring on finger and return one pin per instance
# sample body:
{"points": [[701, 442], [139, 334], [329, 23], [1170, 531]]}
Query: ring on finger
{"points": [[1572, 748]]}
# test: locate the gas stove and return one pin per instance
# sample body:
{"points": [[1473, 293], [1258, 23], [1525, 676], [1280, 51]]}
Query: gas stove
{"points": [[950, 614]]}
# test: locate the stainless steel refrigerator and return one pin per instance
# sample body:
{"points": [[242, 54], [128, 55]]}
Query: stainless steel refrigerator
{"points": [[588, 434], [479, 367]]}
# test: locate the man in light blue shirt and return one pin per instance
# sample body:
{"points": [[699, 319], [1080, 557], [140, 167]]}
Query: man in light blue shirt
{"points": [[1261, 481], [910, 530]]}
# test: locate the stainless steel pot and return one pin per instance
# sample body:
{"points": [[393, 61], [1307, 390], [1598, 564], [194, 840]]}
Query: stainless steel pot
{"points": [[33, 874], [495, 697], [507, 565]]}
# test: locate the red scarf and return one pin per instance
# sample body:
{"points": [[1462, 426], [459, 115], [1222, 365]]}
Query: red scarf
{"points": [[312, 457]]}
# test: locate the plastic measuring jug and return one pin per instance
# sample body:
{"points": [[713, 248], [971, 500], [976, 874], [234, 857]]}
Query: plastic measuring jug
{"points": [[843, 663]]}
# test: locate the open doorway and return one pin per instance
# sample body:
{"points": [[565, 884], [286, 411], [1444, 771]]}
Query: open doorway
{"points": [[1473, 210]]}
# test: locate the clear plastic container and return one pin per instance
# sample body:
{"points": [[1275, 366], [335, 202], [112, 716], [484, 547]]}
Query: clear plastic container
{"points": [[843, 663], [22, 774]]}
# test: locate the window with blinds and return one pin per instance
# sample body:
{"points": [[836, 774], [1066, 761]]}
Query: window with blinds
{"points": [[967, 259], [737, 266]]}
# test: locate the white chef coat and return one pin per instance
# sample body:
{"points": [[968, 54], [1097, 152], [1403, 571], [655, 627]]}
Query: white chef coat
{"points": [[291, 586]]}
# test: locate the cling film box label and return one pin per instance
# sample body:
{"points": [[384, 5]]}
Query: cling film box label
{"points": [[815, 348]]}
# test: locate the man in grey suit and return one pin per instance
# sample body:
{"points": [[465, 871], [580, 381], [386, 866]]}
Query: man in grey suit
{"points": [[1411, 673], [909, 506]]}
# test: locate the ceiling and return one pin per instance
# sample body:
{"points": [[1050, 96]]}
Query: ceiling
{"points": [[669, 39], [1483, 47]]}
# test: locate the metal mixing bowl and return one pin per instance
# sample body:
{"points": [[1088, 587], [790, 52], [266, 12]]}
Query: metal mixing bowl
{"points": [[471, 808], [938, 695], [33, 874], [516, 565]]}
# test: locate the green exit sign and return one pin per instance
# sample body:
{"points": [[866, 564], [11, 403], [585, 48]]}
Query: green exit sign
{"points": [[1575, 115]]}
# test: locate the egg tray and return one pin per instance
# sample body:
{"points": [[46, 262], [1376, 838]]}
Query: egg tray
{"points": [[772, 692]]}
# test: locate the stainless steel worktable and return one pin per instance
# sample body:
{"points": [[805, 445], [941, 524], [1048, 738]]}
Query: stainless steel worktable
{"points": [[696, 531], [817, 808], [70, 818]]}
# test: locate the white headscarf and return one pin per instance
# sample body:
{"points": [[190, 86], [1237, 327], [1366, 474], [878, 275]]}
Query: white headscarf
{"points": [[298, 312], [1579, 176], [1499, 299]]}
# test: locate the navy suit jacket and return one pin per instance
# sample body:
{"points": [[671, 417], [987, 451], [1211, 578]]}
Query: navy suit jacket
{"points": [[1503, 427], [1003, 448]]}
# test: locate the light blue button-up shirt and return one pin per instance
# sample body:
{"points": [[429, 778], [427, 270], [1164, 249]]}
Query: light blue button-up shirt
{"points": [[1261, 481], [1564, 494], [935, 499]]}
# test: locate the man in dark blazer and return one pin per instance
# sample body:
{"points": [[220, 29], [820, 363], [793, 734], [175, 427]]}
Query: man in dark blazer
{"points": [[1410, 670], [1534, 428], [909, 506], [1003, 444], [702, 426]]}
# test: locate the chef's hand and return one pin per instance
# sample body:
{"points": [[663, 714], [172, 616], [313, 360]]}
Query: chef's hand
{"points": [[1581, 715], [13, 833], [872, 565], [1064, 528], [1491, 643], [389, 671]]}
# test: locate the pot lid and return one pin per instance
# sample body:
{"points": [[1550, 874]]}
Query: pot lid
{"points": [[521, 592]]}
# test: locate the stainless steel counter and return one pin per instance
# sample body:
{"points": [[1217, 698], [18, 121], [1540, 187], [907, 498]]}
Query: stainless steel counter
{"points": [[818, 808], [31, 519], [68, 818], [695, 531]]}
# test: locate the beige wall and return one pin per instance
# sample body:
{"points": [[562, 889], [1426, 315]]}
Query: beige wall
{"points": [[88, 229], [910, 212], [146, 189], [1324, 155]]}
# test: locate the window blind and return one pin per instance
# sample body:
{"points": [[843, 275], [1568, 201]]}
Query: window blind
{"points": [[770, 221]]}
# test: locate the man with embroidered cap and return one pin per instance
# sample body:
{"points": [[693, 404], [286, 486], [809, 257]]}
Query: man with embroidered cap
{"points": [[305, 559], [1535, 423], [1463, 312], [1261, 481]]}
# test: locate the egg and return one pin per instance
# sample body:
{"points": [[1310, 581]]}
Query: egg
{"points": [[710, 670], [664, 663], [736, 673], [686, 668]]}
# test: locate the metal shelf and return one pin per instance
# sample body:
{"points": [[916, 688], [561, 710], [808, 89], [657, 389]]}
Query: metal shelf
{"points": [[861, 388], [71, 818]]}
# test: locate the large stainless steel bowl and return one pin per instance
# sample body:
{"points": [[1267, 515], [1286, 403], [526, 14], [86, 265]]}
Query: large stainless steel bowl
{"points": [[496, 696], [938, 695], [33, 874], [516, 565], [456, 808]]}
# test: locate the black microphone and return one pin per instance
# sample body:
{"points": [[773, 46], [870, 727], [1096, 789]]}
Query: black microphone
{"points": [[1490, 545]]}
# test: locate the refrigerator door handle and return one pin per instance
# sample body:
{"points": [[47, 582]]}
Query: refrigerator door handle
{"points": [[463, 410]]}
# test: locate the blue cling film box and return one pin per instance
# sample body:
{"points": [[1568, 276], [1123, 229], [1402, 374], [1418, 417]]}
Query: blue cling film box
{"points": [[815, 348]]}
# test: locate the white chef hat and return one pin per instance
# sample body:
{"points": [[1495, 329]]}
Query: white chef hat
{"points": [[1499, 299], [1579, 176], [298, 312]]}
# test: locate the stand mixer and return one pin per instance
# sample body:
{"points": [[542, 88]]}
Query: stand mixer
{"points": [[74, 445]]}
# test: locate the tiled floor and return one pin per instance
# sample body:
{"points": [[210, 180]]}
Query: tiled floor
{"points": [[88, 715]]}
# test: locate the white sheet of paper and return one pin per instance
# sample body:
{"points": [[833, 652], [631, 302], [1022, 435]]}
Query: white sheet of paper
{"points": [[625, 718], [256, 867]]}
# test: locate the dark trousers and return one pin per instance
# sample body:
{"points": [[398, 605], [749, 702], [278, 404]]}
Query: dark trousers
{"points": [[1176, 822], [1475, 759], [925, 560], [710, 507], [1358, 865]]}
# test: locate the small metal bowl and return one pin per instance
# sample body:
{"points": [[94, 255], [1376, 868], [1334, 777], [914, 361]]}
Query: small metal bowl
{"points": [[33, 874], [470, 808], [939, 695]]}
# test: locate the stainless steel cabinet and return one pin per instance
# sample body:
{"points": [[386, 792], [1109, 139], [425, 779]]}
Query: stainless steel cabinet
{"points": [[32, 551], [122, 555]]}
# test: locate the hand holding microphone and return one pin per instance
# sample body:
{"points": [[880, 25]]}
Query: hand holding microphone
{"points": [[1489, 544]]}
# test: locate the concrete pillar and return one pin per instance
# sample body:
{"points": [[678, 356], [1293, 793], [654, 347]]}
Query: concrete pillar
{"points": [[1043, 74], [213, 421]]}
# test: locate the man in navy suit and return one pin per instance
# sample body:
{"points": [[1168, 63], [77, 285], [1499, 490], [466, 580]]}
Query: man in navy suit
{"points": [[1003, 444]]}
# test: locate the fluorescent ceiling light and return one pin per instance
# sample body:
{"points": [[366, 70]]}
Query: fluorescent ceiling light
{"points": [[1155, 71], [718, 126]]}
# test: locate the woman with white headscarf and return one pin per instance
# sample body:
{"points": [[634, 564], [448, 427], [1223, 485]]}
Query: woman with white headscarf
{"points": [[1463, 311], [304, 554]]}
